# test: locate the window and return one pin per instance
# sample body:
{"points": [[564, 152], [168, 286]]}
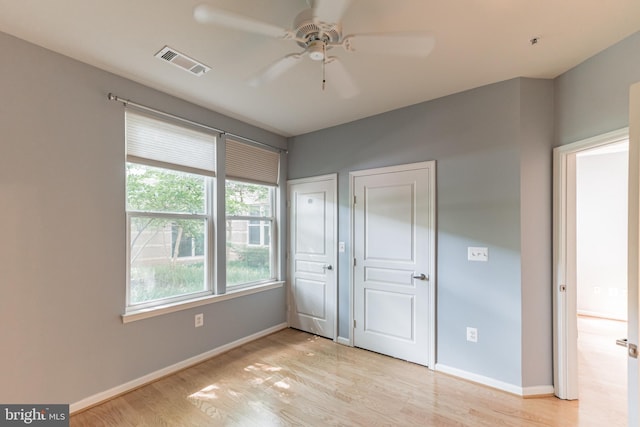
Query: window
{"points": [[250, 221], [252, 176], [259, 230], [161, 225], [169, 211]]}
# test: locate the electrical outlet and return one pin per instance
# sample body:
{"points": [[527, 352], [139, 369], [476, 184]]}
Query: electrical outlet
{"points": [[472, 334], [199, 320], [477, 254]]}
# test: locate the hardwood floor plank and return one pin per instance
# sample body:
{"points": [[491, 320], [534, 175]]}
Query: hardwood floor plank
{"points": [[292, 378]]}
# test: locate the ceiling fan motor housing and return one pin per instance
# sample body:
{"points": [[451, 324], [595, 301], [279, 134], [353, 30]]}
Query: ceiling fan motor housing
{"points": [[315, 35]]}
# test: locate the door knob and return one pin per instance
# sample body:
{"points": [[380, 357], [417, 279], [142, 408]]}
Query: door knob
{"points": [[632, 348], [328, 267], [420, 276]]}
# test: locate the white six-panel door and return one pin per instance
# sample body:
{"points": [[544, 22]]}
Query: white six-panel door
{"points": [[312, 255], [394, 271]]}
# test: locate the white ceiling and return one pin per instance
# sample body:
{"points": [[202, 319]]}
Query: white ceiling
{"points": [[478, 42]]}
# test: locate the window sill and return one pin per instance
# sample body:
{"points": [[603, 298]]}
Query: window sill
{"points": [[133, 316]]}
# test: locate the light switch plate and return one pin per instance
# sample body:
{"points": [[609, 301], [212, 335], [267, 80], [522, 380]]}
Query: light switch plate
{"points": [[477, 254]]}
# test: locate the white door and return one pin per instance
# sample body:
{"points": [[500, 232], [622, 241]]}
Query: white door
{"points": [[634, 252], [311, 255], [394, 282]]}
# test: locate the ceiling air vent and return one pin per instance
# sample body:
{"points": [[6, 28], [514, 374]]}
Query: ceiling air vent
{"points": [[183, 61]]}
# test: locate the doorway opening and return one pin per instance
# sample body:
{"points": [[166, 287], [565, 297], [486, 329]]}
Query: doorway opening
{"points": [[601, 271], [590, 273]]}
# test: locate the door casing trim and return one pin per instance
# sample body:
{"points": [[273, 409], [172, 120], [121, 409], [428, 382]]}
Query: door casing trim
{"points": [[565, 358]]}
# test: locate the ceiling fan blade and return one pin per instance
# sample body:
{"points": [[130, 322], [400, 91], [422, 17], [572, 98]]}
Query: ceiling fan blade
{"points": [[409, 44], [206, 14], [276, 69], [330, 11], [339, 77]]}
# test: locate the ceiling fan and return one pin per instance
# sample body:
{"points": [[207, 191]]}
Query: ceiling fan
{"points": [[317, 30]]}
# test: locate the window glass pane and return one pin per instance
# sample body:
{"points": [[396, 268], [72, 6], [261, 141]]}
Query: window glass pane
{"points": [[248, 257], [243, 199], [188, 245], [266, 233], [254, 234], [153, 189], [162, 264]]}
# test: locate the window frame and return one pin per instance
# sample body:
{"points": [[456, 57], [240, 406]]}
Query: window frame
{"points": [[209, 246], [260, 222], [264, 165], [272, 219]]}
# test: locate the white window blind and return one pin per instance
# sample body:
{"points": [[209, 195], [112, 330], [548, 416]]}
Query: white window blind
{"points": [[158, 143], [246, 162]]}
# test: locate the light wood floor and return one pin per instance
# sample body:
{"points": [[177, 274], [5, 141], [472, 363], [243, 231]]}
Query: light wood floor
{"points": [[602, 370], [292, 378]]}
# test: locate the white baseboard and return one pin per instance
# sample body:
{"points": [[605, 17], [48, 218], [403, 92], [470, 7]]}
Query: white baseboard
{"points": [[609, 316], [493, 383], [153, 376], [541, 390]]}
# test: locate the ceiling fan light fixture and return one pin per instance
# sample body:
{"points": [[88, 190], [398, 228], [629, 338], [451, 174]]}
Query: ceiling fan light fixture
{"points": [[316, 50]]}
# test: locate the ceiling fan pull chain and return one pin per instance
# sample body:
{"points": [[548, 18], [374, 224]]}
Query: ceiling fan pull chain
{"points": [[324, 64]]}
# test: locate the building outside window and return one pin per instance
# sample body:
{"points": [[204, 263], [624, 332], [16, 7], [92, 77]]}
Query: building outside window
{"points": [[250, 218]]}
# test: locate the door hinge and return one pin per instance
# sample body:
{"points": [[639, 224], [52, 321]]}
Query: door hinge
{"points": [[354, 200], [354, 323], [354, 262]]}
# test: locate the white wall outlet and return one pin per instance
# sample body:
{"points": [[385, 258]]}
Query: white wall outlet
{"points": [[477, 254], [472, 334], [199, 320]]}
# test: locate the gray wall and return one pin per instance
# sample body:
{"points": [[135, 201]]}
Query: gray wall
{"points": [[592, 99], [478, 138], [62, 228], [536, 136]]}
